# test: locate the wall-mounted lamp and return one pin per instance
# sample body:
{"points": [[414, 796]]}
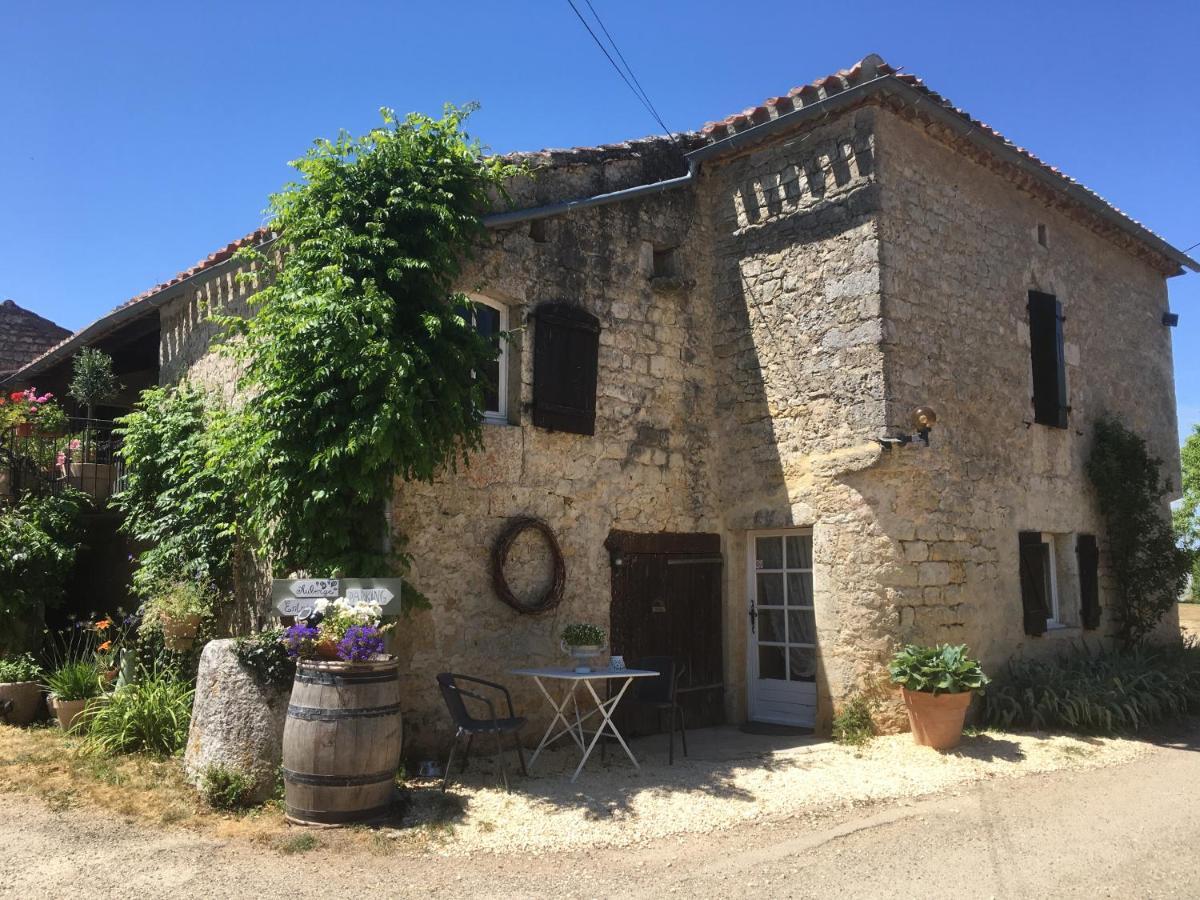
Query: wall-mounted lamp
{"points": [[617, 558], [923, 420], [1170, 319]]}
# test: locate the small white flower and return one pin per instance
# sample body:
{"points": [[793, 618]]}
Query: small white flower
{"points": [[320, 605]]}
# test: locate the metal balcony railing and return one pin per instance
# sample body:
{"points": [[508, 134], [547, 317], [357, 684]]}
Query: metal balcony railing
{"points": [[82, 455]]}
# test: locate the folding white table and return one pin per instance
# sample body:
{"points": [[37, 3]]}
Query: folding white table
{"points": [[604, 708]]}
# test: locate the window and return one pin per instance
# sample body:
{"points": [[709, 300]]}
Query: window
{"points": [[1048, 360], [491, 319], [1039, 582], [566, 350]]}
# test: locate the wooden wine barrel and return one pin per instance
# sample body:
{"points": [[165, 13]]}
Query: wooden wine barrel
{"points": [[341, 742]]}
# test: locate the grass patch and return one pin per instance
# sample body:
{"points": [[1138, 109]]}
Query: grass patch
{"points": [[298, 843], [853, 725]]}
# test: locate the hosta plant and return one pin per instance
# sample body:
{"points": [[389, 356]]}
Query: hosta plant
{"points": [[944, 669]]}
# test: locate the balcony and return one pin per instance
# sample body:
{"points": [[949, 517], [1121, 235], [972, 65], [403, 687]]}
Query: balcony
{"points": [[83, 455]]}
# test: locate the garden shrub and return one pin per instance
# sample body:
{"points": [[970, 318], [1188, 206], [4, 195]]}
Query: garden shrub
{"points": [[853, 724], [19, 668], [1103, 691], [149, 715], [1148, 565], [224, 788], [39, 539], [178, 498]]}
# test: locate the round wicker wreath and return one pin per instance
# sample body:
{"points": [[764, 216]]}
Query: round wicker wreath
{"points": [[553, 595]]}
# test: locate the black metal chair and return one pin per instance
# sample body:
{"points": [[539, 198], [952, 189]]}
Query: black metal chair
{"points": [[661, 693], [468, 725]]}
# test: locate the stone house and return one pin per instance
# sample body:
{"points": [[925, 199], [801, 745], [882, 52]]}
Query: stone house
{"points": [[24, 335], [717, 343]]}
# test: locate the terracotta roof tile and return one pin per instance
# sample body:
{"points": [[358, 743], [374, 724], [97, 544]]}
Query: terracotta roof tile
{"points": [[873, 67]]}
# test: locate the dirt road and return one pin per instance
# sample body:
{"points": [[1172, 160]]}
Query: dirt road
{"points": [[1127, 830]]}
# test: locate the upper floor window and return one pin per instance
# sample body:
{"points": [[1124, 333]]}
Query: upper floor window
{"points": [[1048, 360], [566, 348], [491, 319]]}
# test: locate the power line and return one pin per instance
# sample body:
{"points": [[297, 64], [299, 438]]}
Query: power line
{"points": [[629, 69], [1193, 247], [641, 96]]}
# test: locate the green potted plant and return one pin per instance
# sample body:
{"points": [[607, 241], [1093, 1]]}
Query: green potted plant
{"points": [[177, 609], [71, 686], [937, 684], [92, 382], [583, 641], [19, 686]]}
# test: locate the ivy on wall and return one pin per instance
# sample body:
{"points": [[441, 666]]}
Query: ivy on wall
{"points": [[359, 356], [1148, 565]]}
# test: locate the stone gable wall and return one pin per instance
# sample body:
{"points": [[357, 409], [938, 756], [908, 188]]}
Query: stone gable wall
{"points": [[960, 252]]}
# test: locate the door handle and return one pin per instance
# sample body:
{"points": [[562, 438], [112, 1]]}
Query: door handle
{"points": [[753, 619]]}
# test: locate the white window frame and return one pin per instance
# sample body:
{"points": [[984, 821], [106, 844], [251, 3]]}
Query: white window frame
{"points": [[498, 416], [1054, 620], [752, 587]]}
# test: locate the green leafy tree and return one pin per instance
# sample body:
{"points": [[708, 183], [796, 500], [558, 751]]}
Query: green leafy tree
{"points": [[180, 500], [92, 380], [1187, 513], [1148, 564], [360, 358]]}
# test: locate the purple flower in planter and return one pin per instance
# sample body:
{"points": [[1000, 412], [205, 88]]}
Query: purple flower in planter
{"points": [[360, 643], [300, 640]]}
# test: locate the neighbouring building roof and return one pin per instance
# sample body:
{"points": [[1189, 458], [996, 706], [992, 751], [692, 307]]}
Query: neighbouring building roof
{"points": [[24, 335], [133, 307], [869, 76]]}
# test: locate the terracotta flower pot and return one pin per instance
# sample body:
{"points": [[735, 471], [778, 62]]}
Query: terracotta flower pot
{"points": [[326, 650], [66, 711], [179, 634], [24, 429], [92, 478], [26, 697], [936, 719]]}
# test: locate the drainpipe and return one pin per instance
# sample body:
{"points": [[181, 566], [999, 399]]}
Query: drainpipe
{"points": [[502, 220], [763, 130]]}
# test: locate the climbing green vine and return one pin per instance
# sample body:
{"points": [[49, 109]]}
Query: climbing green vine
{"points": [[1148, 565], [360, 355]]}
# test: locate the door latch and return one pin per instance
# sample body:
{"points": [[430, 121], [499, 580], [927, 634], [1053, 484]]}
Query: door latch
{"points": [[753, 618]]}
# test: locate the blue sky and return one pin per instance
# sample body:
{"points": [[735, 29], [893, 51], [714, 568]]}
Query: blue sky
{"points": [[137, 138]]}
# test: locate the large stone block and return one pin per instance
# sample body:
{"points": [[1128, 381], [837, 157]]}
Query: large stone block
{"points": [[237, 722]]}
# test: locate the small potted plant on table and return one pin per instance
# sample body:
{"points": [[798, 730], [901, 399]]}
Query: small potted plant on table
{"points": [[19, 686], [71, 686], [582, 641], [937, 684]]}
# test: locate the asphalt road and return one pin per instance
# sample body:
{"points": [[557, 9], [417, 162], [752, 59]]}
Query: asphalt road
{"points": [[1125, 831]]}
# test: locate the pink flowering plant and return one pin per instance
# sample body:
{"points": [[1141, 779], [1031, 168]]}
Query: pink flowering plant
{"points": [[28, 407]]}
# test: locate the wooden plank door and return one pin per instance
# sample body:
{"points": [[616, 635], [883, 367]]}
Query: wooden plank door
{"points": [[666, 601]]}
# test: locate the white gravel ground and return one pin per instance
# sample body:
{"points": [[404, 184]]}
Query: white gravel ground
{"points": [[612, 805]]}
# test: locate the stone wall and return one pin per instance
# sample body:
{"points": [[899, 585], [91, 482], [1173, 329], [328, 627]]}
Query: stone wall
{"points": [[646, 469], [800, 370], [959, 253]]}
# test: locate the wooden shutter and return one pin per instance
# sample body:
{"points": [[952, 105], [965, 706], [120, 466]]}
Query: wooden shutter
{"points": [[1033, 582], [566, 348], [1049, 362], [1088, 554]]}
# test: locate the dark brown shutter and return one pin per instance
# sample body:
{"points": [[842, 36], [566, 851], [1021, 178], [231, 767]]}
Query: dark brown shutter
{"points": [[1089, 580], [1049, 360], [1033, 582], [566, 348]]}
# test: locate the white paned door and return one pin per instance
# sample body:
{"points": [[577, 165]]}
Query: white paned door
{"points": [[782, 656]]}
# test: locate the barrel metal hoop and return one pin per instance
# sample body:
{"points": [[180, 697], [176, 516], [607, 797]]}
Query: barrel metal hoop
{"points": [[336, 817], [337, 780], [339, 678], [317, 713]]}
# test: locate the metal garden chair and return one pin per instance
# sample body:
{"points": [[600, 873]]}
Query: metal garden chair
{"points": [[661, 693], [468, 725]]}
